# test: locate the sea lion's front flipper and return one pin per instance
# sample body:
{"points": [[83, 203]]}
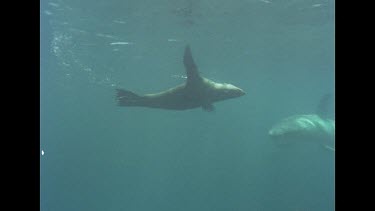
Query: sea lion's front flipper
{"points": [[208, 107], [190, 66]]}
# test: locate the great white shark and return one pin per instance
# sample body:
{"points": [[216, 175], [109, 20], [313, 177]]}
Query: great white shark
{"points": [[316, 128]]}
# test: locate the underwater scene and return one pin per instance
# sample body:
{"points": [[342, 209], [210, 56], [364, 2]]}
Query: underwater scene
{"points": [[182, 105]]}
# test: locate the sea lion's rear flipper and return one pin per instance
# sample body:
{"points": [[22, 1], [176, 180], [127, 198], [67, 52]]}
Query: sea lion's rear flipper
{"points": [[190, 67], [127, 98]]}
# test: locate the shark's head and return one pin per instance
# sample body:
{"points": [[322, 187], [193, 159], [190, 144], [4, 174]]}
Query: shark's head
{"points": [[304, 128], [294, 125], [225, 91]]}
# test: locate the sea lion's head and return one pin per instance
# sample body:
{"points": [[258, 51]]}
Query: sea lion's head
{"points": [[225, 91]]}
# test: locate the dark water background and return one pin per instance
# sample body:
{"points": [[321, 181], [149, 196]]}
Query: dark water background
{"points": [[98, 156]]}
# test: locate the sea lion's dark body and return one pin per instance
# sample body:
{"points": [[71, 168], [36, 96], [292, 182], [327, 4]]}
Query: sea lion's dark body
{"points": [[196, 92]]}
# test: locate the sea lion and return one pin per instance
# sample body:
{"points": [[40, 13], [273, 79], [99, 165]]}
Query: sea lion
{"points": [[311, 127], [196, 92]]}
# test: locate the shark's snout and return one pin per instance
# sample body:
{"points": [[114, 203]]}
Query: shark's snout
{"points": [[242, 92]]}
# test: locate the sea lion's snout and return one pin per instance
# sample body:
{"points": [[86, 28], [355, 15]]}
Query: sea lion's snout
{"points": [[233, 90]]}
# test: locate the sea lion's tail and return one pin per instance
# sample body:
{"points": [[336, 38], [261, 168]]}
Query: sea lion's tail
{"points": [[126, 98]]}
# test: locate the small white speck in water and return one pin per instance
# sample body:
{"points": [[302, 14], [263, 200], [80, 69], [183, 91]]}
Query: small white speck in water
{"points": [[47, 12], [173, 40], [316, 5], [121, 43], [42, 152], [265, 1], [119, 21]]}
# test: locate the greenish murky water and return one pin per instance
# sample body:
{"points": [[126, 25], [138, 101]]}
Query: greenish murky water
{"points": [[98, 156]]}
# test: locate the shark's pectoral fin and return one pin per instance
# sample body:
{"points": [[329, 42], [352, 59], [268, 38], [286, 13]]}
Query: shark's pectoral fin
{"points": [[208, 107], [329, 148]]}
